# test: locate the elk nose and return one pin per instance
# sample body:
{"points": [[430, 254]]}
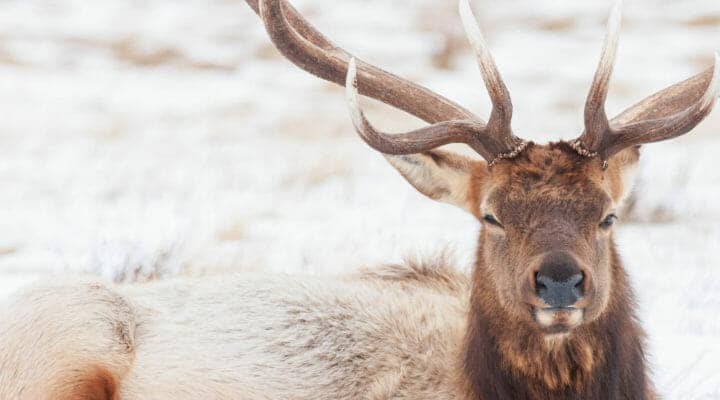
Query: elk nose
{"points": [[559, 281]]}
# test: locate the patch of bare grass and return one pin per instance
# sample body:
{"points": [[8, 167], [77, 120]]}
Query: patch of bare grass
{"points": [[703, 21]]}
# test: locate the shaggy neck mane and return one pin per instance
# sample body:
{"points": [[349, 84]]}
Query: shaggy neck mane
{"points": [[506, 359]]}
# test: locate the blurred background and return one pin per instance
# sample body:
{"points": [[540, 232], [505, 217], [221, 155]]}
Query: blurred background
{"points": [[141, 139]]}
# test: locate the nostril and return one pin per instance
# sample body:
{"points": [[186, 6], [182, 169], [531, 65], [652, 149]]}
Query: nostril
{"points": [[580, 283], [540, 286], [575, 280], [559, 280], [544, 280]]}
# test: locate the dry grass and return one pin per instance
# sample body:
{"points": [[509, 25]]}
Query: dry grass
{"points": [[703, 21], [266, 51], [232, 233], [7, 250], [321, 172], [130, 52], [556, 25]]}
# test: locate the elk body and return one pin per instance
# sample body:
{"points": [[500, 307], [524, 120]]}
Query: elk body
{"points": [[547, 313]]}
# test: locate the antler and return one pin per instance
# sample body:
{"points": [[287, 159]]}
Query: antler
{"points": [[310, 50], [493, 141], [669, 113], [302, 44]]}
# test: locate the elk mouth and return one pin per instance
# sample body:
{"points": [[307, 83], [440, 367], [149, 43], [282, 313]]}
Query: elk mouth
{"points": [[554, 320]]}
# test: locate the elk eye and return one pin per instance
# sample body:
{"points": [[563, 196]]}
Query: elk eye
{"points": [[491, 220], [608, 221]]}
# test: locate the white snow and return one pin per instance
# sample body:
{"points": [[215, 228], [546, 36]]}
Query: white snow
{"points": [[153, 138]]}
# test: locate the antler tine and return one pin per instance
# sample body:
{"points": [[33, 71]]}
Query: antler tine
{"points": [[655, 130], [597, 125], [499, 95], [420, 140], [671, 100], [497, 137], [302, 44]]}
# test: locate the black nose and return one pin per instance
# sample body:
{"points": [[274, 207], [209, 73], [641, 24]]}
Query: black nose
{"points": [[559, 281]]}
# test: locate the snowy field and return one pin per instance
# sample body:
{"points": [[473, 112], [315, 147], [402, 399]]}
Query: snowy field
{"points": [[146, 139]]}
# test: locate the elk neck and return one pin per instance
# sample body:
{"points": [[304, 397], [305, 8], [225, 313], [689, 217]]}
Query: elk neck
{"points": [[507, 359]]}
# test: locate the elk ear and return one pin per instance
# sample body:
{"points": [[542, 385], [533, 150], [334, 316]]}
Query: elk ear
{"points": [[624, 165], [443, 176]]}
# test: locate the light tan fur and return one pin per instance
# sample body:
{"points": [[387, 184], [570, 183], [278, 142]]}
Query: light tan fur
{"points": [[66, 341], [393, 333]]}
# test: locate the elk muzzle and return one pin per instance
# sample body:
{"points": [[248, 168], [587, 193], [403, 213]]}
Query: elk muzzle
{"points": [[559, 281], [559, 288]]}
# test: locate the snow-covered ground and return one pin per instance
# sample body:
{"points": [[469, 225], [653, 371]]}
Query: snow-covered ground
{"points": [[153, 138]]}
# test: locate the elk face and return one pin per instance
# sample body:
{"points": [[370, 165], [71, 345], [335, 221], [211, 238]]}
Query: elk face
{"points": [[547, 219], [547, 234]]}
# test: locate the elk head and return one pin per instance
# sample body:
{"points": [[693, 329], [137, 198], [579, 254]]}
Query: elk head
{"points": [[547, 211]]}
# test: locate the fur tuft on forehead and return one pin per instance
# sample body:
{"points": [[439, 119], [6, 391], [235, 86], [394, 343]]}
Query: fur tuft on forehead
{"points": [[558, 168], [554, 170], [548, 163]]}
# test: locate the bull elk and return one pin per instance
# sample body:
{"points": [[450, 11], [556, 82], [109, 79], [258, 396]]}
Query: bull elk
{"points": [[548, 312]]}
